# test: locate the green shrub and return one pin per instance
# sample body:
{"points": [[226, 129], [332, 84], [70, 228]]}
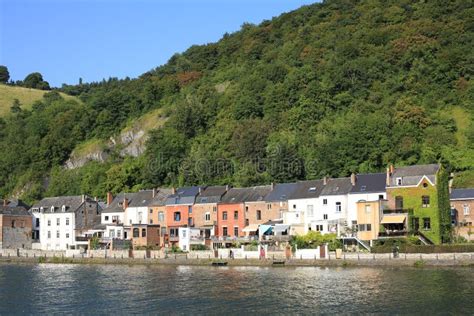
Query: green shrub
{"points": [[425, 248], [199, 247]]}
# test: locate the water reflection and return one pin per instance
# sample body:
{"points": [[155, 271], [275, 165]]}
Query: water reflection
{"points": [[104, 289]]}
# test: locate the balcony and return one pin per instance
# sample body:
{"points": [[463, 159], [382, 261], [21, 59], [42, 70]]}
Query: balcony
{"points": [[233, 239], [82, 238], [277, 237], [397, 211]]}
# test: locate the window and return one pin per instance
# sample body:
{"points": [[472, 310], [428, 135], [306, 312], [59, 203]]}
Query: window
{"points": [[425, 185], [398, 202], [224, 216], [325, 216], [190, 209], [247, 222], [325, 201], [236, 231], [466, 209], [67, 221], [57, 234], [369, 227], [136, 233], [425, 201], [161, 217], [49, 222], [426, 223], [224, 231], [319, 228], [151, 221], [309, 210], [236, 214], [119, 233], [365, 227], [172, 232], [67, 235], [214, 209], [58, 221], [151, 211], [183, 233], [259, 215], [399, 181], [37, 222], [363, 188], [13, 224], [163, 231], [368, 208], [140, 217], [246, 209], [294, 206], [49, 234], [380, 196], [207, 217], [177, 216], [269, 206], [338, 207], [106, 218], [111, 233], [143, 232]]}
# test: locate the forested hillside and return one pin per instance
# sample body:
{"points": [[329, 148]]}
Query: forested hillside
{"points": [[328, 89]]}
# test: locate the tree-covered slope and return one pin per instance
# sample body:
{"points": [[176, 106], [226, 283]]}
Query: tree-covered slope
{"points": [[328, 89]]}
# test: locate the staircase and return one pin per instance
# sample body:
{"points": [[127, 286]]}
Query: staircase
{"points": [[360, 242], [423, 238]]}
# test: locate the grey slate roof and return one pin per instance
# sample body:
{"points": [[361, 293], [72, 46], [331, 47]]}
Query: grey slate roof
{"points": [[212, 194], [117, 203], [14, 210], [337, 186], [241, 195], [72, 203], [411, 175], [462, 194], [142, 198], [368, 183], [307, 189], [160, 196], [186, 195], [16, 202], [281, 192]]}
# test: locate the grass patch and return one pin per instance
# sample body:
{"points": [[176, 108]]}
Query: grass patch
{"points": [[419, 264], [26, 96]]}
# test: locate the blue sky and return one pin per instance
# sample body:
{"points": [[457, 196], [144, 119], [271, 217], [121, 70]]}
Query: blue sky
{"points": [[95, 39]]}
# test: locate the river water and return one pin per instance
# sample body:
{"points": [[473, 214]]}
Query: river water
{"points": [[122, 289]]}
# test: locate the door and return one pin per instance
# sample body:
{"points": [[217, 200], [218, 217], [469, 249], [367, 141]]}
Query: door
{"points": [[416, 223], [322, 251], [124, 235]]}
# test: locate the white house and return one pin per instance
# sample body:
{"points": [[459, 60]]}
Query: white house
{"points": [[302, 206], [189, 236], [62, 222]]}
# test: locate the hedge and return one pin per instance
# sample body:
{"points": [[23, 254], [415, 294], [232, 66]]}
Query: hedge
{"points": [[425, 248]]}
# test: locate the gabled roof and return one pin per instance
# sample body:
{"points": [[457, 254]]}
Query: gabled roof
{"points": [[281, 192], [72, 203], [412, 175], [212, 194], [462, 194], [242, 195], [186, 195], [337, 186], [307, 189], [117, 203], [369, 183]]}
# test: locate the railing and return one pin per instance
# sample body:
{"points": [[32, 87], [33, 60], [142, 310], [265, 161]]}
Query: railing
{"points": [[278, 237], [236, 239], [397, 211], [81, 238], [399, 233]]}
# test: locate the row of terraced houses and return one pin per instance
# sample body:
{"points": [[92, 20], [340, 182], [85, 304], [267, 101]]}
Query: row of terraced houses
{"points": [[361, 208]]}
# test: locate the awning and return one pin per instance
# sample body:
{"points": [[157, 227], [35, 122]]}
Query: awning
{"points": [[281, 228], [393, 219], [250, 228], [264, 229]]}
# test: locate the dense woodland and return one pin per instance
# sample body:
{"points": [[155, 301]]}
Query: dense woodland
{"points": [[329, 89]]}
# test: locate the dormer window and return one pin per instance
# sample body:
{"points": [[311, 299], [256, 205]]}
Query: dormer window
{"points": [[41, 209], [52, 209], [312, 189], [363, 188], [399, 181], [63, 208]]}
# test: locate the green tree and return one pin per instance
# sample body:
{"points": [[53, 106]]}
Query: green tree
{"points": [[4, 74]]}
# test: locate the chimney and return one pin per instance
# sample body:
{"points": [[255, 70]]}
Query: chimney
{"points": [[125, 203], [325, 180], [154, 192], [353, 179], [5, 202], [173, 190], [200, 190], [387, 178], [392, 169], [450, 183], [227, 187], [83, 198], [273, 185], [95, 198], [110, 198]]}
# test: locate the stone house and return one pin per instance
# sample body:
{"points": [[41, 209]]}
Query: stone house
{"points": [[462, 212], [15, 226]]}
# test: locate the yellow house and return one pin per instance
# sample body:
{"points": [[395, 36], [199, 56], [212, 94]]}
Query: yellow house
{"points": [[368, 219]]}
